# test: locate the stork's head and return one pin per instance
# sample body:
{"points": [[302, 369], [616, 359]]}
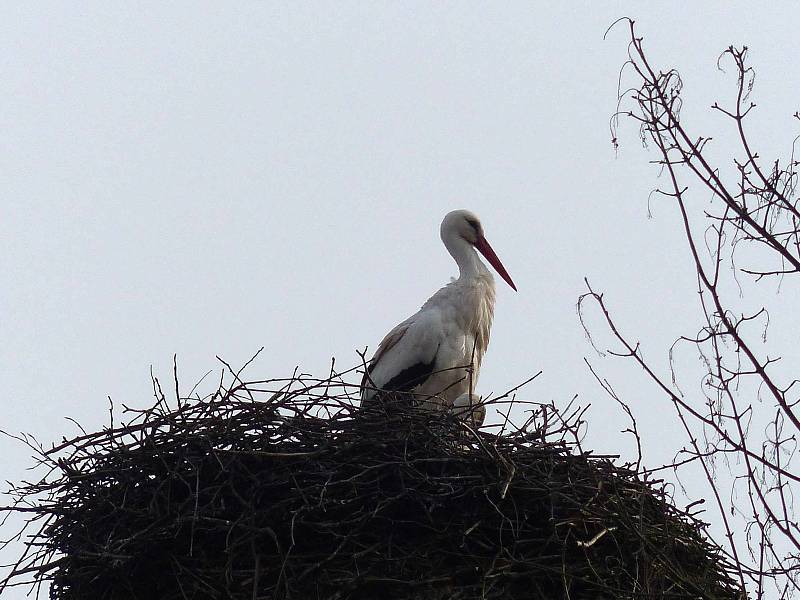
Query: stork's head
{"points": [[465, 225]]}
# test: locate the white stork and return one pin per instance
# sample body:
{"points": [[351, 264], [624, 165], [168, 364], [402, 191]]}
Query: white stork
{"points": [[436, 353]]}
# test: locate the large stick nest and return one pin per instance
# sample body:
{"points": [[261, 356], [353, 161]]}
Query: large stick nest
{"points": [[253, 493]]}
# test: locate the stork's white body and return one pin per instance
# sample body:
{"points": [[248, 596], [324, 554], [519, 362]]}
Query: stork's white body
{"points": [[436, 354], [450, 333]]}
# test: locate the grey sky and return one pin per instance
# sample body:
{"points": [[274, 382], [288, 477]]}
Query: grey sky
{"points": [[206, 179]]}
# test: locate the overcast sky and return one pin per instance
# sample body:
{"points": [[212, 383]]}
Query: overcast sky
{"points": [[205, 179]]}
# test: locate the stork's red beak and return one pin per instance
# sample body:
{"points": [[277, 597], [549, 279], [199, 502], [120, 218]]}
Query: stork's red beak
{"points": [[484, 248]]}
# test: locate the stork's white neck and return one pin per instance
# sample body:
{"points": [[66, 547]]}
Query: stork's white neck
{"points": [[469, 263]]}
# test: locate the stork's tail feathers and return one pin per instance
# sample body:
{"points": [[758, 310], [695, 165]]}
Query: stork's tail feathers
{"points": [[470, 409]]}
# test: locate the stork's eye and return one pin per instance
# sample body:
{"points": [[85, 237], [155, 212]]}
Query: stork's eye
{"points": [[474, 224]]}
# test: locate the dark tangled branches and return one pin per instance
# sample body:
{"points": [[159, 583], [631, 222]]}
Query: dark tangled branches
{"points": [[282, 489]]}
